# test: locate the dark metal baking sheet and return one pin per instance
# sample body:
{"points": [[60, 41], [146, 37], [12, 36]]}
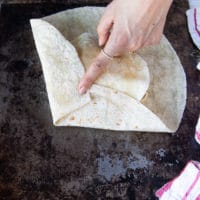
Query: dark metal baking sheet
{"points": [[40, 161]]}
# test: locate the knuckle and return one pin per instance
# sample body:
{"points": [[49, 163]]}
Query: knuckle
{"points": [[97, 67], [93, 72]]}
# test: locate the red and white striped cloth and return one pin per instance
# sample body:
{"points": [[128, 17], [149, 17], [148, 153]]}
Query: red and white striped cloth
{"points": [[193, 19], [186, 186]]}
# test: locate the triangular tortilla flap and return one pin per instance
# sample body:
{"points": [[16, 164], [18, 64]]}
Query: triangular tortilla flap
{"points": [[110, 109], [61, 75]]}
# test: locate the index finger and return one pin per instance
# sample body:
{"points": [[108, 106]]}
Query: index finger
{"points": [[101, 61], [94, 71]]}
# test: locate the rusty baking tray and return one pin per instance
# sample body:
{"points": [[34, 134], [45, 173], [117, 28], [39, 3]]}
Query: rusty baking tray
{"points": [[40, 161]]}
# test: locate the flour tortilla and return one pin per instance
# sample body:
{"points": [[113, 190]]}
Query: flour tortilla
{"points": [[106, 105], [114, 110]]}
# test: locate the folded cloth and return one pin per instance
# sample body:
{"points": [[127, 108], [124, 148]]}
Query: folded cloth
{"points": [[193, 19], [186, 186], [197, 131]]}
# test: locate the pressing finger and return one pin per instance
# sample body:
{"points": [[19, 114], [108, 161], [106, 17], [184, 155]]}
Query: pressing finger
{"points": [[93, 72]]}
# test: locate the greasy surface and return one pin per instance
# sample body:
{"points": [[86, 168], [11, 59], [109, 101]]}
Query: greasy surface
{"points": [[39, 161]]}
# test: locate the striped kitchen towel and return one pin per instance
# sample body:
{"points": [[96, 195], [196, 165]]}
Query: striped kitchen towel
{"points": [[193, 19], [186, 186]]}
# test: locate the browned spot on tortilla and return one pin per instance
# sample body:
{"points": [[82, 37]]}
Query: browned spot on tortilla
{"points": [[118, 124], [136, 126], [72, 118], [94, 102]]}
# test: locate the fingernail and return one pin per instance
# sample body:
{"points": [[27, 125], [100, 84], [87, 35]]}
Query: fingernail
{"points": [[82, 90]]}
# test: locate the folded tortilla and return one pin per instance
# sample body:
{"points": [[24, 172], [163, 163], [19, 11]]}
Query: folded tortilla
{"points": [[142, 92]]}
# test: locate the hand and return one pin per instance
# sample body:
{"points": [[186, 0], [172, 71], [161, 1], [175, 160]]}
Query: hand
{"points": [[126, 26]]}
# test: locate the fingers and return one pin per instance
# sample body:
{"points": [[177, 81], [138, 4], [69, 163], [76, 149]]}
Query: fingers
{"points": [[105, 25], [118, 41], [93, 72], [103, 30]]}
